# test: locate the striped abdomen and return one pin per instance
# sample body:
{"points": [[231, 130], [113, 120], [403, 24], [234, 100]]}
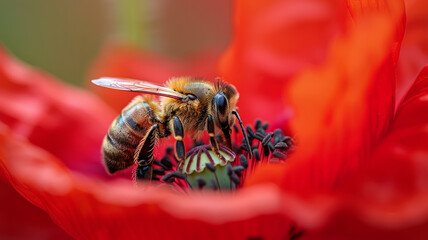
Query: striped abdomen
{"points": [[125, 133]]}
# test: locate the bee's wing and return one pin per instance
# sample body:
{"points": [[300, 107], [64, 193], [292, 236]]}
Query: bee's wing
{"points": [[137, 86]]}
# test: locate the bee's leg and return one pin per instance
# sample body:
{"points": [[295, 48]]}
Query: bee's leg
{"points": [[178, 132], [211, 133], [144, 154]]}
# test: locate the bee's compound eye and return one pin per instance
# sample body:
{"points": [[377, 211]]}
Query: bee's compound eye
{"points": [[220, 101]]}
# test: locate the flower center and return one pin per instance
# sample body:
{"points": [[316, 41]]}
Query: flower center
{"points": [[203, 168]]}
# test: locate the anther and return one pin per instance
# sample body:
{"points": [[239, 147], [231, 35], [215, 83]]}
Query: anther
{"points": [[243, 160], [250, 132], [201, 183], [258, 124], [238, 168], [265, 126], [170, 175], [235, 127], [256, 154], [157, 162], [278, 154], [235, 179], [166, 162], [281, 145], [259, 136], [267, 139], [244, 147], [266, 151], [158, 171], [277, 136], [169, 150], [229, 170], [213, 184], [271, 146], [287, 139], [210, 167]]}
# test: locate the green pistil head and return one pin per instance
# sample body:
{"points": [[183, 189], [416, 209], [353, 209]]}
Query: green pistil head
{"points": [[206, 170]]}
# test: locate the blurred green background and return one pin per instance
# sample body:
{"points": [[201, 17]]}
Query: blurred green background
{"points": [[63, 36]]}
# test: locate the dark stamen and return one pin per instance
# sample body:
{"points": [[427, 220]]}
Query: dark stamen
{"points": [[169, 150], [157, 162], [278, 154], [171, 175], [235, 127], [244, 147], [287, 140], [166, 162], [265, 126], [262, 131], [201, 183], [235, 179], [243, 160], [250, 132], [277, 136], [271, 146], [210, 167], [256, 154], [281, 145], [266, 151], [238, 168], [213, 184], [158, 171], [259, 136], [258, 124], [229, 170], [267, 139]]}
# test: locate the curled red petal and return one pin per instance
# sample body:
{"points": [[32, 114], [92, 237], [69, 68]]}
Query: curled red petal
{"points": [[388, 197], [272, 42], [414, 51], [342, 108], [66, 121]]}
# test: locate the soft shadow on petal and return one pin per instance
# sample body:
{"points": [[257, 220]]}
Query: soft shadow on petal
{"points": [[273, 41], [122, 61], [68, 122]]}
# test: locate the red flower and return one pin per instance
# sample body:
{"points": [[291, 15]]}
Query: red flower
{"points": [[359, 170]]}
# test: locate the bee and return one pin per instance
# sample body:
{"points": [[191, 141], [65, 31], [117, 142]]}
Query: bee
{"points": [[187, 105]]}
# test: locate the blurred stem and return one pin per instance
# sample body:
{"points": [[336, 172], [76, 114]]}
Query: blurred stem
{"points": [[130, 22]]}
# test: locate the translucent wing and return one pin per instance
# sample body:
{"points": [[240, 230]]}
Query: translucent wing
{"points": [[137, 86]]}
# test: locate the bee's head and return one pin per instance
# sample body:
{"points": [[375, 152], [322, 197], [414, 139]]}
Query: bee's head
{"points": [[223, 104]]}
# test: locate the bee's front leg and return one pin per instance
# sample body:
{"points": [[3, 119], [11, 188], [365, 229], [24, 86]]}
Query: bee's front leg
{"points": [[211, 133], [178, 133]]}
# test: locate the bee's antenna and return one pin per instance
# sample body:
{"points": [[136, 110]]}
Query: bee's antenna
{"points": [[250, 154]]}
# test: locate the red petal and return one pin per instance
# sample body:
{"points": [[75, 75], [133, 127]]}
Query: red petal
{"points": [[65, 121], [388, 197], [342, 108], [127, 62], [414, 53], [91, 209], [273, 41], [20, 219]]}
